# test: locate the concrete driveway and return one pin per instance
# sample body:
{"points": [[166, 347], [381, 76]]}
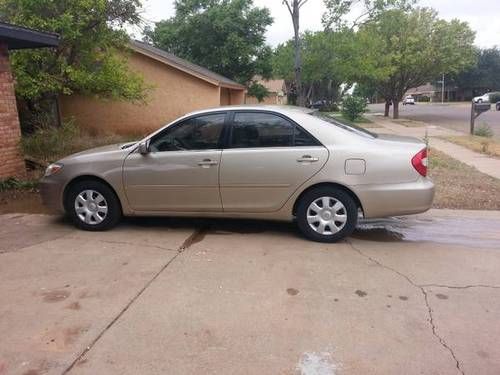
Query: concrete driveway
{"points": [[455, 116], [419, 295]]}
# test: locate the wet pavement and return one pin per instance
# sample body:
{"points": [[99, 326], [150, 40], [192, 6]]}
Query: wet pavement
{"points": [[412, 295]]}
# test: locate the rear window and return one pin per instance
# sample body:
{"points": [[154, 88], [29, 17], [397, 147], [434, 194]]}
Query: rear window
{"points": [[349, 127]]}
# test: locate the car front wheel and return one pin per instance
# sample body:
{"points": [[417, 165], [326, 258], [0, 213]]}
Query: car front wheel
{"points": [[93, 206], [327, 214]]}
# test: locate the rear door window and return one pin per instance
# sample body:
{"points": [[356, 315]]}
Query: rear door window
{"points": [[256, 129]]}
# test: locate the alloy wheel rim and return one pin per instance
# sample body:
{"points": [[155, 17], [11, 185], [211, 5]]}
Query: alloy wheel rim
{"points": [[326, 216], [91, 207]]}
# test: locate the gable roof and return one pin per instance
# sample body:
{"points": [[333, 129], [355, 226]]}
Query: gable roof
{"points": [[18, 37], [184, 65]]}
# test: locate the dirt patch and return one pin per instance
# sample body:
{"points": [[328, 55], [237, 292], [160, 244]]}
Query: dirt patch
{"points": [[459, 186], [22, 201]]}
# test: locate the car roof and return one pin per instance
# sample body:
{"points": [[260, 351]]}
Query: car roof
{"points": [[283, 109]]}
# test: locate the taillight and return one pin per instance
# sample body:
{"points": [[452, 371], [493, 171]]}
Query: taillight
{"points": [[419, 162]]}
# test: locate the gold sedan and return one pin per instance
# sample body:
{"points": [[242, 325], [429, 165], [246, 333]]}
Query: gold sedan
{"points": [[279, 163]]}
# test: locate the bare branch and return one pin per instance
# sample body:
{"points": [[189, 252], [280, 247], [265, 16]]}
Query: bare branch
{"points": [[288, 6], [302, 2]]}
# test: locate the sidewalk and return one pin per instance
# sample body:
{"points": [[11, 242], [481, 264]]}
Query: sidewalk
{"points": [[483, 163]]}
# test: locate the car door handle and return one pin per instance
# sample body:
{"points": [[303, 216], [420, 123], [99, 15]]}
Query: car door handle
{"points": [[307, 159], [207, 163]]}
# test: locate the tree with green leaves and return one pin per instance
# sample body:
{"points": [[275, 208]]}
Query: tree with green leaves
{"points": [[408, 48], [339, 13], [86, 61], [483, 76], [327, 63], [226, 36]]}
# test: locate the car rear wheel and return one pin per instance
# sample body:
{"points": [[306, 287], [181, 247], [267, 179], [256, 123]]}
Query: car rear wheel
{"points": [[327, 214], [93, 206]]}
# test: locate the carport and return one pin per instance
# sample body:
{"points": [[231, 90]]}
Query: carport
{"points": [[11, 38]]}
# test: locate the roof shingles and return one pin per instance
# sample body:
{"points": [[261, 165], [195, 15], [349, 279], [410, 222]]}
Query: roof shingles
{"points": [[185, 65]]}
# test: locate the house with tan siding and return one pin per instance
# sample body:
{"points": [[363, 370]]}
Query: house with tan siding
{"points": [[276, 89], [177, 87]]}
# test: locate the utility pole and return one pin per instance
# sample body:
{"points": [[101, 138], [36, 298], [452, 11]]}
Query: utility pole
{"points": [[442, 90]]}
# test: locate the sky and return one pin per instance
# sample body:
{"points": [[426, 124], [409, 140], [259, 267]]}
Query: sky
{"points": [[483, 17]]}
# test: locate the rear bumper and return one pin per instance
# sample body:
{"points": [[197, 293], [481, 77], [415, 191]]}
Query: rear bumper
{"points": [[52, 194], [396, 199]]}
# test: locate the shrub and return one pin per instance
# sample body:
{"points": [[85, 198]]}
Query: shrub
{"points": [[258, 91], [353, 107], [484, 131], [15, 184], [332, 107], [48, 144]]}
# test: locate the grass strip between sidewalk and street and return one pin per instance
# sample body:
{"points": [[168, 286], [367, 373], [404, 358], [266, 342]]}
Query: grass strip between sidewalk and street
{"points": [[484, 145]]}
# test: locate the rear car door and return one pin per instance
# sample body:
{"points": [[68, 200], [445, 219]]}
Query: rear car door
{"points": [[267, 157], [181, 171]]}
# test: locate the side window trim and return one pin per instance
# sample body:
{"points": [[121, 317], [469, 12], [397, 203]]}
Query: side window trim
{"points": [[227, 144], [221, 141]]}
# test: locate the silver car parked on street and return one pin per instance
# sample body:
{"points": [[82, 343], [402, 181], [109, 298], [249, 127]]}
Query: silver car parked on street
{"points": [[279, 163]]}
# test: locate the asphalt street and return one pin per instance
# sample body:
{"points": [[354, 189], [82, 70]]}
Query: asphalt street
{"points": [[455, 116]]}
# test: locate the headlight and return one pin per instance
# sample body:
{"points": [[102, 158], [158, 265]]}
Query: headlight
{"points": [[53, 169]]}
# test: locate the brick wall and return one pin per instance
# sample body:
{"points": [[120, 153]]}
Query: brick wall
{"points": [[11, 159]]}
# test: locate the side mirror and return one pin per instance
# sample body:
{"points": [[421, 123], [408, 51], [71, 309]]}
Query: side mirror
{"points": [[143, 148]]}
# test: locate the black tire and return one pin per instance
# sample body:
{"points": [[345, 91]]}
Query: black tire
{"points": [[114, 210], [351, 210]]}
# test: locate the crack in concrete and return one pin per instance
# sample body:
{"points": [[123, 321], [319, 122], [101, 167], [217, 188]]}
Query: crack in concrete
{"points": [[442, 342], [136, 244], [197, 234], [460, 286]]}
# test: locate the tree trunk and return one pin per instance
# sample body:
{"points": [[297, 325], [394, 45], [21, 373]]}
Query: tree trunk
{"points": [[387, 108], [298, 57], [395, 109]]}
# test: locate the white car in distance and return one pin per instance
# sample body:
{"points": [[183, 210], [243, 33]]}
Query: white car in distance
{"points": [[409, 100]]}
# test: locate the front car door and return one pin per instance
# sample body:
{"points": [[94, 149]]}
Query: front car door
{"points": [[181, 171], [266, 159]]}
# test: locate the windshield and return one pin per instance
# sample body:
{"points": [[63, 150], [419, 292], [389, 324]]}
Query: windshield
{"points": [[349, 127]]}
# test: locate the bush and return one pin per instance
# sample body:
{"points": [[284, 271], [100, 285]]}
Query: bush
{"points": [[15, 184], [49, 144], [484, 131], [332, 107], [353, 107]]}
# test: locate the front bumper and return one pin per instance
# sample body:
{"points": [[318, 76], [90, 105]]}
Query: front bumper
{"points": [[383, 200], [52, 192]]}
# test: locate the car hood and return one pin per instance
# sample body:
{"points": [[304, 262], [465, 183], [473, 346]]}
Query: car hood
{"points": [[102, 150]]}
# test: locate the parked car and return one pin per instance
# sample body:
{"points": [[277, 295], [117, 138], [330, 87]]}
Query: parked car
{"points": [[486, 98], [498, 106], [409, 100], [319, 104], [247, 162]]}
